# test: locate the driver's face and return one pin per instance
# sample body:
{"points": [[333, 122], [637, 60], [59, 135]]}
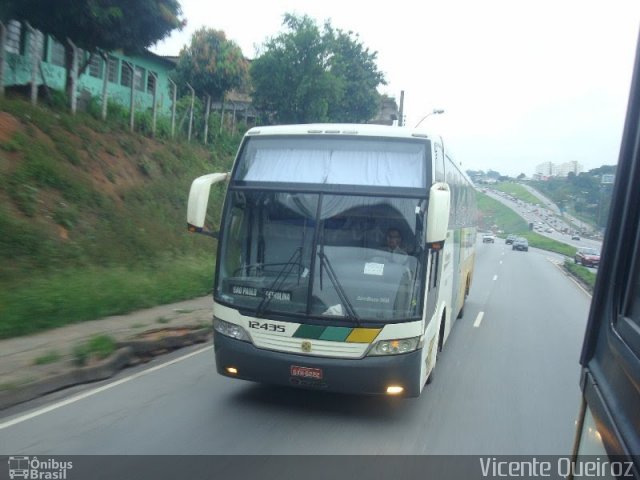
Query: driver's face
{"points": [[393, 239]]}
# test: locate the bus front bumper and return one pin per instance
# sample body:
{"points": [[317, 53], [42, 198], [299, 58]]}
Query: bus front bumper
{"points": [[368, 375]]}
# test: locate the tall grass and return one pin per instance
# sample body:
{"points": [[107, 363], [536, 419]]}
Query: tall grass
{"points": [[94, 221], [76, 295]]}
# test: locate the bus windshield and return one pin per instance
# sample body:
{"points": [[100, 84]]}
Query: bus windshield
{"points": [[325, 256]]}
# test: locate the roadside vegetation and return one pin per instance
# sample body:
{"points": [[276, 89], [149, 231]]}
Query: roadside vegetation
{"points": [[47, 358], [93, 217], [98, 347], [586, 276]]}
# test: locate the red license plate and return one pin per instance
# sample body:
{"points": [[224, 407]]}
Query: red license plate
{"points": [[306, 372]]}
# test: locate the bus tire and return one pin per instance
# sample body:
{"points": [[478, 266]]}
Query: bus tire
{"points": [[464, 300], [438, 348], [430, 377]]}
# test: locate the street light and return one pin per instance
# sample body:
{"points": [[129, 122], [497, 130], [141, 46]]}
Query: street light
{"points": [[436, 111]]}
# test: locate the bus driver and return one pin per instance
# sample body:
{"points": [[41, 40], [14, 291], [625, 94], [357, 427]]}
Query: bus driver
{"points": [[394, 240]]}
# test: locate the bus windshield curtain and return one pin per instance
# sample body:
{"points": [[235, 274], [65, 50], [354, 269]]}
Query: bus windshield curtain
{"points": [[335, 205], [349, 167]]}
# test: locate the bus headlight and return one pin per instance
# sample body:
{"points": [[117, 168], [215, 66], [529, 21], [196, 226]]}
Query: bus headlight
{"points": [[394, 347], [230, 330]]}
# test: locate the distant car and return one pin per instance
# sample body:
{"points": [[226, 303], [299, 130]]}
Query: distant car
{"points": [[588, 257], [510, 239], [488, 238], [520, 244], [575, 237]]}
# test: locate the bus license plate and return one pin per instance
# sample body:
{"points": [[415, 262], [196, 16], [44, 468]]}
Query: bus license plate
{"points": [[306, 372]]}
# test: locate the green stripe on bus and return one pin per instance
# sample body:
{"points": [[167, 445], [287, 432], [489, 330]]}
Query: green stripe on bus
{"points": [[336, 334], [309, 331]]}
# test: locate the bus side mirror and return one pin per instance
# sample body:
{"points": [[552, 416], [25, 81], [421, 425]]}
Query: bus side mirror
{"points": [[438, 213], [198, 200]]}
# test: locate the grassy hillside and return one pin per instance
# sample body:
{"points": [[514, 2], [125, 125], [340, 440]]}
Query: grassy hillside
{"points": [[495, 216], [93, 218], [518, 191]]}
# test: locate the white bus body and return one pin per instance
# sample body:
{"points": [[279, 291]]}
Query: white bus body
{"points": [[310, 289]]}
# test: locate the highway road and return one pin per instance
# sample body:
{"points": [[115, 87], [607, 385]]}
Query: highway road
{"points": [[526, 211], [556, 210], [506, 383]]}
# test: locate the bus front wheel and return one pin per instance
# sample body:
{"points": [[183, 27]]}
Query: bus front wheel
{"points": [[438, 348], [464, 300]]}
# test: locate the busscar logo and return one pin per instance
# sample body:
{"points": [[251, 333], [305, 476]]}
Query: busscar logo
{"points": [[33, 468]]}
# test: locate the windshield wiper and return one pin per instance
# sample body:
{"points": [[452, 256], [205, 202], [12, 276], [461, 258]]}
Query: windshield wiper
{"points": [[278, 281], [325, 263]]}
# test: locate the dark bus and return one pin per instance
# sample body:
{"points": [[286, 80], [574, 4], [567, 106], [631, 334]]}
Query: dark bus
{"points": [[609, 420]]}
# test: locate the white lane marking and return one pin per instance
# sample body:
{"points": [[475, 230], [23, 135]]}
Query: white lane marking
{"points": [[495, 277], [476, 324], [81, 396]]}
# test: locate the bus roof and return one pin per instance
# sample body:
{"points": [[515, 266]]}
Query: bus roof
{"points": [[340, 129]]}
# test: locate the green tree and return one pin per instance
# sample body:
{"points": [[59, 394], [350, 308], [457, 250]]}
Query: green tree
{"points": [[358, 76], [93, 25], [212, 64], [307, 75]]}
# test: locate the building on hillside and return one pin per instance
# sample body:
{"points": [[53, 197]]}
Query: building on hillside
{"points": [[565, 168], [546, 169], [549, 169], [141, 71]]}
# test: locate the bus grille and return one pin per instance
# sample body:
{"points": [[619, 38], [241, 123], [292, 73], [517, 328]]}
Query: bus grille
{"points": [[319, 348]]}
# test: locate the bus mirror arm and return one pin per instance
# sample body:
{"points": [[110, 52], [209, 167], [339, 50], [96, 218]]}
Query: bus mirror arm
{"points": [[438, 213], [198, 201], [202, 231]]}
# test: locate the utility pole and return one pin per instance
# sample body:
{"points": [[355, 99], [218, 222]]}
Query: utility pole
{"points": [[193, 96], [401, 112], [173, 108]]}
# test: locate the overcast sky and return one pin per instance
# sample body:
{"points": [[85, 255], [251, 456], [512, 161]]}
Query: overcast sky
{"points": [[521, 82]]}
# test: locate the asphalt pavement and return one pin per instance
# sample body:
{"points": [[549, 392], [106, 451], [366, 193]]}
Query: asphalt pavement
{"points": [[33, 365]]}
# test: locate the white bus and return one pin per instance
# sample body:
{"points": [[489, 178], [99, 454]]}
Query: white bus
{"points": [[345, 254]]}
